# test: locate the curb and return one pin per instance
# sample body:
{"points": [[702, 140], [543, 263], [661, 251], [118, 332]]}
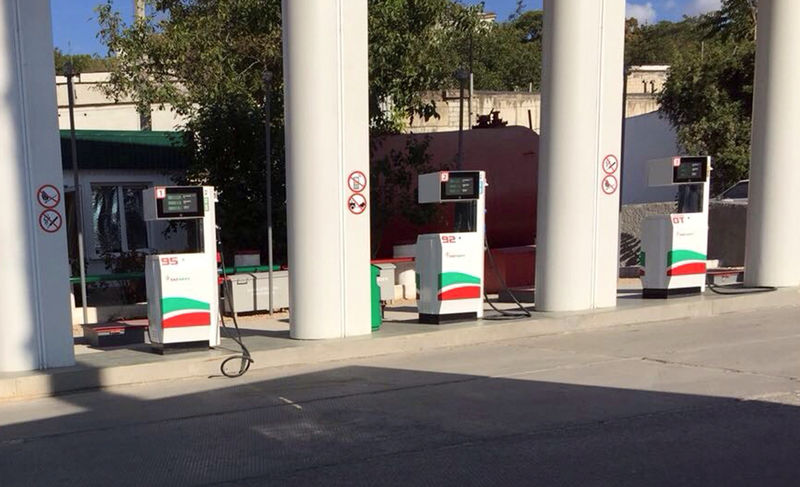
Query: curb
{"points": [[29, 385]]}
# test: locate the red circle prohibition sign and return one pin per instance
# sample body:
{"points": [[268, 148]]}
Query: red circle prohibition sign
{"points": [[357, 203], [357, 181], [50, 221], [48, 196], [609, 184], [610, 164]]}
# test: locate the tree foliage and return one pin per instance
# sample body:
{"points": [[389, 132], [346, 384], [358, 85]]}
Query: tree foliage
{"points": [[206, 59], [395, 174], [735, 20], [81, 63], [191, 52], [410, 53], [708, 98], [662, 43], [414, 49], [508, 56], [417, 45]]}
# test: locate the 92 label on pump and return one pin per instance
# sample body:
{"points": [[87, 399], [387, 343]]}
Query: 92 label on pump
{"points": [[448, 239]]}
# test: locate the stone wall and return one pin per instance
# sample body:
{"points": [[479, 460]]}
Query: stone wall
{"points": [[516, 108], [726, 231], [630, 226], [727, 225], [646, 79], [640, 103]]}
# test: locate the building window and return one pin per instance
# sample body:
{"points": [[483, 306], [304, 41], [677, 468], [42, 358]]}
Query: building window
{"points": [[117, 218]]}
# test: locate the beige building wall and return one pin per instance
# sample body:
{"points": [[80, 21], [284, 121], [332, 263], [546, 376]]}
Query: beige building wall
{"points": [[94, 110], [523, 109], [646, 79]]}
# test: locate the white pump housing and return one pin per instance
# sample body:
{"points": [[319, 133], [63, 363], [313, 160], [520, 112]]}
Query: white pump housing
{"points": [[450, 265], [183, 288], [674, 246]]}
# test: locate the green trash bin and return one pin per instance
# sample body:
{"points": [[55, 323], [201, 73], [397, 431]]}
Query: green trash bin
{"points": [[375, 297]]}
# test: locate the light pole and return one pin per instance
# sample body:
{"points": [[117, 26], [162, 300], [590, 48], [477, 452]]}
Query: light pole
{"points": [[471, 81], [268, 154], [462, 75], [68, 72]]}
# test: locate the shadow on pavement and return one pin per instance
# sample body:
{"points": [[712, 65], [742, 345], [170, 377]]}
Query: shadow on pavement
{"points": [[381, 426]]}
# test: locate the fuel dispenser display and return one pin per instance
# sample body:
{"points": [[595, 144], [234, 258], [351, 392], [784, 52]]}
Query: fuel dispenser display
{"points": [[182, 288], [674, 246], [450, 265]]}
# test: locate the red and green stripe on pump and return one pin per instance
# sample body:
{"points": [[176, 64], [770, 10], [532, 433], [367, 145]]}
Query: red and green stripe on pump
{"points": [[681, 262], [685, 262], [178, 312], [458, 285]]}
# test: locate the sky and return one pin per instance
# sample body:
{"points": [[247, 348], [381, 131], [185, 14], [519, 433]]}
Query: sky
{"points": [[75, 23]]}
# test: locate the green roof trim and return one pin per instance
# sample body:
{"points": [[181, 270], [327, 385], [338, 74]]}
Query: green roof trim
{"points": [[125, 149], [143, 137]]}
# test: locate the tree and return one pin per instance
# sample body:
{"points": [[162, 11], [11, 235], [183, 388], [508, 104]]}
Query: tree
{"points": [[530, 26], [507, 56], [663, 42], [415, 47], [81, 63], [708, 98], [735, 20], [519, 8], [206, 58], [396, 175]]}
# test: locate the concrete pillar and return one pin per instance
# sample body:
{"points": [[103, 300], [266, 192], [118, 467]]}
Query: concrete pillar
{"points": [[772, 253], [327, 139], [578, 201], [35, 329]]}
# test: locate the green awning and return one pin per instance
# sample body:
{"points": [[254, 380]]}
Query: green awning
{"points": [[125, 149]]}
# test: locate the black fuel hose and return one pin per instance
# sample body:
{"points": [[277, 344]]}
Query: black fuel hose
{"points": [[504, 314], [734, 289], [245, 358]]}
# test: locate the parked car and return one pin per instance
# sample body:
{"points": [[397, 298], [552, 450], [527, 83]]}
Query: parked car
{"points": [[736, 192]]}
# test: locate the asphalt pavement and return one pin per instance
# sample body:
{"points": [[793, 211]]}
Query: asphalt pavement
{"points": [[713, 401]]}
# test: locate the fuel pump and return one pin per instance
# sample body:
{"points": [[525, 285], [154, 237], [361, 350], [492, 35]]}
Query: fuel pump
{"points": [[674, 246], [450, 265], [182, 288]]}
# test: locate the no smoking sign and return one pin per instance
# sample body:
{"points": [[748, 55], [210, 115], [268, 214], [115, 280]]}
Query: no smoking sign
{"points": [[50, 221], [610, 164]]}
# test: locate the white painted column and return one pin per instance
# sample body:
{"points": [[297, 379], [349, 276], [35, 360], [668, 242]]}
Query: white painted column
{"points": [[327, 138], [35, 329], [578, 203], [772, 251]]}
